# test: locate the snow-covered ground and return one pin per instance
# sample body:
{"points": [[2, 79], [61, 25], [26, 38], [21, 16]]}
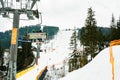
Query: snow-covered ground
{"points": [[59, 47], [99, 68], [56, 55], [53, 56], [57, 52]]}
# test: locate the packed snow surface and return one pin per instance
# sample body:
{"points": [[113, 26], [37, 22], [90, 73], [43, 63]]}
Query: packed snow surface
{"points": [[57, 50], [99, 68]]}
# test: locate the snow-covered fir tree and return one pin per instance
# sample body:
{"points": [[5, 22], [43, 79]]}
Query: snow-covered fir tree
{"points": [[113, 29], [89, 34], [74, 61]]}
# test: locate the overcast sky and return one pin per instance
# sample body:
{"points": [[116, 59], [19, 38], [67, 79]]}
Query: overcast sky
{"points": [[71, 13]]}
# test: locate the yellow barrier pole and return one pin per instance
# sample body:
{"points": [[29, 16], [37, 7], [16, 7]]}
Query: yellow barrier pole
{"points": [[113, 43], [112, 62]]}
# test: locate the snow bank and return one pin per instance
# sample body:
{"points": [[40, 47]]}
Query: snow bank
{"points": [[99, 68]]}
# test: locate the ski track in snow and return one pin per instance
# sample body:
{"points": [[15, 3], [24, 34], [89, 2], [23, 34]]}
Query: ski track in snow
{"points": [[58, 49], [60, 46]]}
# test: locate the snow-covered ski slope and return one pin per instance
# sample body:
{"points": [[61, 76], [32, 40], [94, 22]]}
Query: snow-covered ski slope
{"points": [[56, 52], [58, 48], [99, 68]]}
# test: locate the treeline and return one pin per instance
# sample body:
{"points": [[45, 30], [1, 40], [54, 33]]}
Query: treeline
{"points": [[115, 29], [105, 31], [5, 37], [23, 61], [93, 39], [103, 35], [51, 31]]}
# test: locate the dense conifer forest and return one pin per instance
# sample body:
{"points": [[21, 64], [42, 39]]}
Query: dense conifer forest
{"points": [[5, 37]]}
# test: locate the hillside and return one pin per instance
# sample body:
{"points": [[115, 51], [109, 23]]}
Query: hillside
{"points": [[99, 68], [104, 30], [5, 37]]}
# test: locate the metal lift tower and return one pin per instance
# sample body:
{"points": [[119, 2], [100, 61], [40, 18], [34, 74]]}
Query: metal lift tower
{"points": [[16, 7]]}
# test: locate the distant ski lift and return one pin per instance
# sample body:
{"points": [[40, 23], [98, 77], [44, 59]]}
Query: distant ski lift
{"points": [[41, 36]]}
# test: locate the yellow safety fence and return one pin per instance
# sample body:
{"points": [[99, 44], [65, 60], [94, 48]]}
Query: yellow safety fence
{"points": [[21, 73], [113, 43]]}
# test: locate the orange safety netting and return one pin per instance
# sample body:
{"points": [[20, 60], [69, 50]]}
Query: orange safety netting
{"points": [[113, 43]]}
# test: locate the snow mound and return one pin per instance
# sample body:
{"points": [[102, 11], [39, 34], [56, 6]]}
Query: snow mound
{"points": [[99, 68]]}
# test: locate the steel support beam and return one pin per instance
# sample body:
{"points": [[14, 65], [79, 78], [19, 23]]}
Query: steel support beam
{"points": [[2, 3], [14, 45]]}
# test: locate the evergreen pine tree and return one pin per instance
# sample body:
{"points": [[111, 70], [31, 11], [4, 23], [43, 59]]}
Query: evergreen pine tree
{"points": [[73, 44], [113, 29], [73, 47], [89, 34], [74, 61], [83, 37], [118, 29], [101, 40]]}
